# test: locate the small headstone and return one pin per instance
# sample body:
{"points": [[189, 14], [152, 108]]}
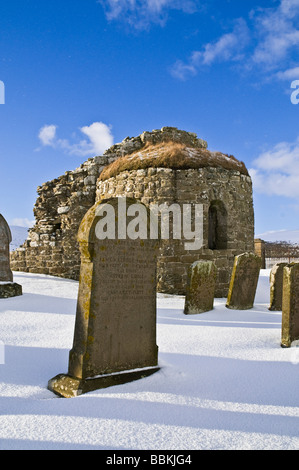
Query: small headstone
{"points": [[276, 284], [115, 329], [200, 287], [290, 305], [8, 288], [243, 283]]}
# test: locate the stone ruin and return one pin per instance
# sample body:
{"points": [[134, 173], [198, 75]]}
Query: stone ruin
{"points": [[8, 288], [162, 166]]}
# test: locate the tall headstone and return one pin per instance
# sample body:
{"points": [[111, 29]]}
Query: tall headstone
{"points": [[276, 286], [200, 287], [290, 305], [115, 329], [260, 250], [243, 283], [8, 288]]}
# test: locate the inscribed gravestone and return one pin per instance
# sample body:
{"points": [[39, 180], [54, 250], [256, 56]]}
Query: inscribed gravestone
{"points": [[115, 327], [5, 239], [244, 279], [290, 305], [276, 286], [8, 288], [200, 287]]}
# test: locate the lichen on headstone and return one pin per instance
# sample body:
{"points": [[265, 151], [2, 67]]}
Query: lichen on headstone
{"points": [[200, 287]]}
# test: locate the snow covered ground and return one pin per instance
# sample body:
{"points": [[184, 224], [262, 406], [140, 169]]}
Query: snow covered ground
{"points": [[224, 383]]}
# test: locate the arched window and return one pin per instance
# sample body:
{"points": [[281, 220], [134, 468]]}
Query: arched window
{"points": [[217, 226]]}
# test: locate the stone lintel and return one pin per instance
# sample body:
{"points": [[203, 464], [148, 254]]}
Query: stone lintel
{"points": [[66, 386]]}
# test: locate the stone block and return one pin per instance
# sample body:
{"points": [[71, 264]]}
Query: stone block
{"points": [[290, 305], [276, 286], [115, 329], [200, 287], [243, 283]]}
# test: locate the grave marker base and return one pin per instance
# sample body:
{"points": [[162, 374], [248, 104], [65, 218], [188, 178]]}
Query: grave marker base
{"points": [[67, 386], [10, 289]]}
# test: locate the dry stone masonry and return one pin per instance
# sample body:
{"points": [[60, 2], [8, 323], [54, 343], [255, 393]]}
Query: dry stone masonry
{"points": [[163, 166], [115, 328]]}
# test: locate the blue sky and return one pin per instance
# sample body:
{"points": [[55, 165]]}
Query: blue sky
{"points": [[80, 75]]}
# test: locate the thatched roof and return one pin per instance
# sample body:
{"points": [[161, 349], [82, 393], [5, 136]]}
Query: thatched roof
{"points": [[172, 155]]}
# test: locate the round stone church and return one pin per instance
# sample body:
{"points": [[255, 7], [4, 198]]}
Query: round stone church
{"points": [[182, 172], [166, 166]]}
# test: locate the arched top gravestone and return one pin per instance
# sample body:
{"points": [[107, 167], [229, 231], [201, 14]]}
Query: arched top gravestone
{"points": [[8, 288], [276, 286], [290, 305], [244, 280], [115, 329], [5, 240]]}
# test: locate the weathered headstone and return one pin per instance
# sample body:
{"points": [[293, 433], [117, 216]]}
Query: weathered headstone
{"points": [[290, 305], [200, 287], [115, 329], [8, 288], [276, 286], [243, 283]]}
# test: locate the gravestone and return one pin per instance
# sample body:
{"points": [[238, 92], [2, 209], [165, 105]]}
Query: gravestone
{"points": [[8, 288], [290, 305], [276, 286], [243, 283], [200, 287], [115, 329]]}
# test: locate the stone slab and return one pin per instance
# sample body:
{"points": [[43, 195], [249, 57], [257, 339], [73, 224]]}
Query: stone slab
{"points": [[5, 240], [115, 327], [276, 286], [200, 287], [243, 282], [290, 305]]}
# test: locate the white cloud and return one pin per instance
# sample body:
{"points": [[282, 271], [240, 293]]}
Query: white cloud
{"points": [[278, 33], [139, 14], [276, 172], [263, 42], [47, 134], [229, 46], [291, 236], [100, 136], [99, 139], [289, 74], [23, 222]]}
